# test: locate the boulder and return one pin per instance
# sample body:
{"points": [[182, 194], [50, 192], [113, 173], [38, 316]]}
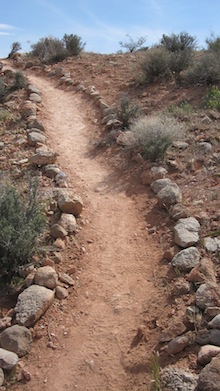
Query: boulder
{"points": [[186, 232], [149, 176], [8, 360], [186, 259], [16, 339], [159, 184], [209, 377], [32, 303], [68, 222], [174, 378], [46, 276], [57, 231], [206, 353], [71, 204], [169, 195], [35, 138], [208, 295], [42, 158]]}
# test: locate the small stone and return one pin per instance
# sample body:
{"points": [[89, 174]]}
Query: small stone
{"points": [[71, 204], [175, 329], [178, 211], [208, 295], [68, 222], [206, 353], [215, 322], [209, 377], [61, 293], [159, 184], [202, 272], [57, 231], [211, 244], [169, 195], [35, 97], [59, 243], [186, 232], [177, 345], [5, 322], [186, 259], [174, 378], [46, 276], [66, 279], [8, 360], [211, 312], [2, 377], [16, 339], [181, 287]]}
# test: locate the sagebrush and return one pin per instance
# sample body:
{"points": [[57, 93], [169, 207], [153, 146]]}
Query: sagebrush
{"points": [[154, 135], [127, 111], [22, 220]]}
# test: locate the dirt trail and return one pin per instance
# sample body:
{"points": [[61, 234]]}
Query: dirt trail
{"points": [[116, 282]]}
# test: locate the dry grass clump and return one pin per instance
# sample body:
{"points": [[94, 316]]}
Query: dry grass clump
{"points": [[154, 134]]}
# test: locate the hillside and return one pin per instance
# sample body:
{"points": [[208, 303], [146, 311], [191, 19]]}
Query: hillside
{"points": [[127, 302]]}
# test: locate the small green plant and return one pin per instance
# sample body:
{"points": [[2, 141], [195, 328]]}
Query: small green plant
{"points": [[73, 44], [213, 43], [22, 220], [155, 372], [127, 111], [154, 135], [20, 81], [213, 98], [154, 65], [182, 109], [3, 89], [133, 45], [205, 70]]}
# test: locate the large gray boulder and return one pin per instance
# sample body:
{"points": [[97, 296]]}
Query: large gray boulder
{"points": [[8, 360], [35, 138], [32, 303], [159, 184], [186, 232], [177, 379], [209, 377], [169, 195], [42, 158], [186, 259], [16, 339], [208, 295]]}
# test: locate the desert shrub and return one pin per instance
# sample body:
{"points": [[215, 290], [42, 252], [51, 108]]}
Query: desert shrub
{"points": [[213, 98], [20, 81], [182, 109], [127, 111], [3, 89], [21, 222], [15, 47], [49, 50], [132, 45], [178, 42], [213, 43], [154, 65], [205, 70], [180, 47], [73, 44], [154, 134]]}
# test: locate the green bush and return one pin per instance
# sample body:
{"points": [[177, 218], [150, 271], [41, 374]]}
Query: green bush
{"points": [[21, 222], [154, 65], [49, 50], [213, 44], [127, 111], [154, 134], [20, 81], [73, 44], [213, 98], [205, 70], [3, 89], [178, 42]]}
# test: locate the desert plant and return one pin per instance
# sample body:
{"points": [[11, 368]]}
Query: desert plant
{"points": [[155, 372], [20, 81], [184, 108], [213, 98], [154, 134], [3, 89], [15, 47], [154, 65], [49, 50], [178, 42], [205, 70], [132, 45], [21, 222], [73, 44], [213, 43], [127, 111]]}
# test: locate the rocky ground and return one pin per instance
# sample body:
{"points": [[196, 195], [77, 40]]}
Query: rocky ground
{"points": [[140, 289]]}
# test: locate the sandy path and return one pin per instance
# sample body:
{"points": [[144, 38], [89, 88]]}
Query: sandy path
{"points": [[116, 283]]}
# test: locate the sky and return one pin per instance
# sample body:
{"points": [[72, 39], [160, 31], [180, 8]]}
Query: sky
{"points": [[103, 24]]}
